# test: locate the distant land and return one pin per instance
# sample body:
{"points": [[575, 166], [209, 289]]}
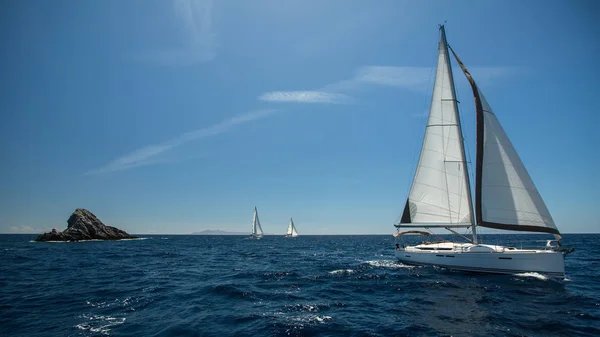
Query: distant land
{"points": [[219, 232]]}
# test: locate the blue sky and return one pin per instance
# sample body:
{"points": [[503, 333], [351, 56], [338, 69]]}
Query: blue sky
{"points": [[180, 116]]}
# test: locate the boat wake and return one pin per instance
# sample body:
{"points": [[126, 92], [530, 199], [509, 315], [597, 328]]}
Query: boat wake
{"points": [[388, 264], [534, 275]]}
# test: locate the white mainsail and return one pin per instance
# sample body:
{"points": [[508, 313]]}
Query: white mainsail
{"points": [[440, 192], [291, 231], [505, 195], [256, 228]]}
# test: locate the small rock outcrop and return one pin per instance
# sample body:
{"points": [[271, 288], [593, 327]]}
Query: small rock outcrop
{"points": [[83, 225]]}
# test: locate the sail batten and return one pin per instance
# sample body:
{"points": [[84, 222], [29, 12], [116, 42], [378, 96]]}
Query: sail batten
{"points": [[440, 191], [505, 195]]}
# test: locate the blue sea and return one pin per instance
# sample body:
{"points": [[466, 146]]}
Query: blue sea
{"points": [[177, 285]]}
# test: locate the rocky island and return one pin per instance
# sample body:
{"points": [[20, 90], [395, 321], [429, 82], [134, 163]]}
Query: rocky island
{"points": [[83, 225]]}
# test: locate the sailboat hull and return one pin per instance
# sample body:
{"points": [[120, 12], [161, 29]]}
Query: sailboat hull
{"points": [[484, 259]]}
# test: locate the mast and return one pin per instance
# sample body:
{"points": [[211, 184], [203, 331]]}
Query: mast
{"points": [[462, 140]]}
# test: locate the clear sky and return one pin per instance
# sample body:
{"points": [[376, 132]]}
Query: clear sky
{"points": [[179, 116]]}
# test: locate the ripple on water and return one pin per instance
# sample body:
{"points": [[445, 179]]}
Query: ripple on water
{"points": [[310, 286]]}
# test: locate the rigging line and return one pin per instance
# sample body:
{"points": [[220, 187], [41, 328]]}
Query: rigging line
{"points": [[434, 234], [465, 140]]}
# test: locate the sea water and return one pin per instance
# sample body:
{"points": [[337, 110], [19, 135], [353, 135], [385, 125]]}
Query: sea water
{"points": [[170, 285]]}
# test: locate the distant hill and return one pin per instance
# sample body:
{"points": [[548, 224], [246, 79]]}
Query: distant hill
{"points": [[219, 232]]}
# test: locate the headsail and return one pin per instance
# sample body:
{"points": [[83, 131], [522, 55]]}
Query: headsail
{"points": [[505, 195], [440, 192]]}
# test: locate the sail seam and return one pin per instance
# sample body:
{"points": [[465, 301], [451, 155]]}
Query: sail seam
{"points": [[431, 150], [438, 207], [515, 187], [515, 210], [438, 188], [432, 168], [524, 212]]}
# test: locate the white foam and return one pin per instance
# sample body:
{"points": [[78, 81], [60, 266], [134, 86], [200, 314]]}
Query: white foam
{"points": [[308, 319], [99, 324], [387, 264], [322, 319], [534, 275], [342, 271]]}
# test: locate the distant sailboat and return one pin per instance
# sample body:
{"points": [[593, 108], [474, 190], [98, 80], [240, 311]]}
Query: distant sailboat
{"points": [[291, 231], [257, 231], [505, 195]]}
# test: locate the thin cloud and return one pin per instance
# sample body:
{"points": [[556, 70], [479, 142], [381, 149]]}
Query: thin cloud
{"points": [[414, 78], [304, 97], [407, 77], [195, 18], [411, 78], [149, 155]]}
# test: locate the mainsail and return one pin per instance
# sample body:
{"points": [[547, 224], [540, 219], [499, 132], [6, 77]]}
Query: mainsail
{"points": [[291, 231], [505, 195], [440, 192], [256, 228]]}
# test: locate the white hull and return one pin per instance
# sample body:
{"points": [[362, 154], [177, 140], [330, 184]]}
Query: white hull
{"points": [[484, 258]]}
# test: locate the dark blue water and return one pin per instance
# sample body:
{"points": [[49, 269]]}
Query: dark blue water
{"points": [[306, 286]]}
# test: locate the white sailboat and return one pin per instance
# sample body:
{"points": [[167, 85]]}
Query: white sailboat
{"points": [[505, 195], [257, 231], [291, 231]]}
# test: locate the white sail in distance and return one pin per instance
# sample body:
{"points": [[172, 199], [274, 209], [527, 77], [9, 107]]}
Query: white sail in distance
{"points": [[440, 192], [256, 228], [291, 231]]}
